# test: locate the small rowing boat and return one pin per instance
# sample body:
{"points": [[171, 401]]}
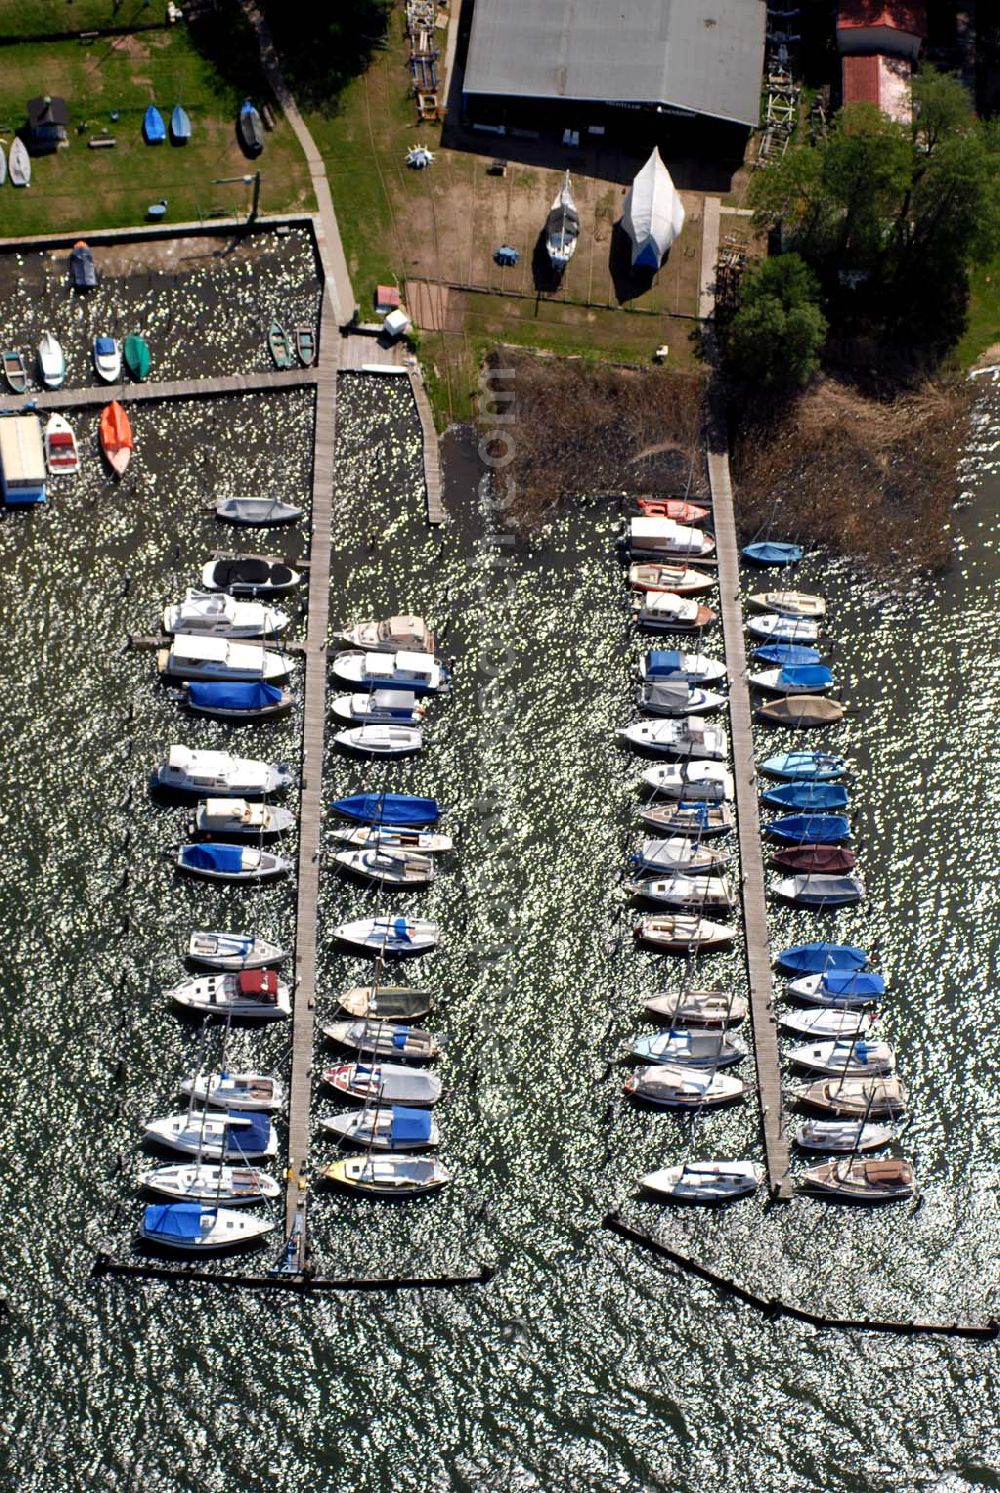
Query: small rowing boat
{"points": [[61, 455], [14, 371], [305, 345], [279, 345], [137, 357], [115, 434]]}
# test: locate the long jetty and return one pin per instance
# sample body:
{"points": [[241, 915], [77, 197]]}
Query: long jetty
{"points": [[183, 388], [758, 951]]}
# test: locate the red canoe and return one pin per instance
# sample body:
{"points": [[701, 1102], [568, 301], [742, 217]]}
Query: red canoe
{"points": [[822, 858], [676, 508], [116, 436]]}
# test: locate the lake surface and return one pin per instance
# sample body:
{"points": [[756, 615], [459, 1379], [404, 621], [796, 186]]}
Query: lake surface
{"points": [[584, 1364]]}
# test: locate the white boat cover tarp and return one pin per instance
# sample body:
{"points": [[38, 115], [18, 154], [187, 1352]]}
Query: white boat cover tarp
{"points": [[654, 214]]}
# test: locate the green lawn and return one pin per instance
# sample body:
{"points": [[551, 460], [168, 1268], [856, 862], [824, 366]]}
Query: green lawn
{"points": [[983, 325], [79, 188], [49, 17]]}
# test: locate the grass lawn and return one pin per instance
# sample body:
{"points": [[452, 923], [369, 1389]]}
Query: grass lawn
{"points": [[78, 188], [49, 17], [983, 325]]}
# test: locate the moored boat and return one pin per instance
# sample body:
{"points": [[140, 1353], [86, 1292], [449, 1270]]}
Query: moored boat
{"points": [[115, 434], [220, 660], [390, 868], [411, 634], [677, 889], [662, 664], [255, 994], [232, 951], [818, 958], [841, 1135], [240, 701], [51, 361], [819, 767], [862, 1180], [770, 552], [670, 1086], [107, 358], [305, 345], [225, 1090], [398, 707], [689, 737], [257, 513], [709, 782], [818, 890], [237, 818], [697, 1008], [61, 455], [819, 797], [682, 510], [380, 837], [809, 859], [385, 1083], [399, 809], [206, 1183], [384, 1039], [195, 1228], [389, 937], [783, 654], [137, 357], [82, 270], [217, 861], [705, 1182], [773, 627], [419, 673], [800, 711], [279, 345], [676, 578], [250, 575], [663, 539], [381, 739], [678, 854], [386, 1176], [821, 1024], [874, 1098], [810, 829], [698, 1048], [850, 1057], [385, 1002], [14, 370], [683, 933], [385, 1127], [690, 819], [790, 604], [221, 1135], [219, 774], [794, 679], [843, 988], [665, 611], [216, 614], [677, 697]]}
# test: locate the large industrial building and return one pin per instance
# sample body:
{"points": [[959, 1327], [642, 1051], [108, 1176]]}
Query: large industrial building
{"points": [[587, 62]]}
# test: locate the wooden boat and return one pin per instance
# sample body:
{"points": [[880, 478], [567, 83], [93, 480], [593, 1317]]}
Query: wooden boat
{"points": [[821, 1024], [381, 739], [19, 163], [61, 455], [385, 1127], [232, 951], [217, 861], [115, 432], [693, 820], [237, 817], [709, 782], [250, 575], [669, 1086], [800, 711], [682, 933], [841, 1135], [398, 707], [810, 859], [14, 371], [411, 634], [386, 1176], [775, 628], [217, 614], [861, 1180], [384, 1039], [154, 131], [219, 774], [790, 604], [682, 510], [51, 361], [419, 673], [817, 890], [701, 893], [390, 868], [689, 737], [665, 611], [817, 767], [107, 358], [385, 1083], [659, 665], [241, 701], [385, 1002], [562, 228], [137, 357], [305, 345], [697, 1008], [255, 994], [851, 1057], [180, 125], [705, 1182], [224, 1090], [220, 1135], [678, 854], [279, 345], [194, 1228], [677, 698], [82, 270], [867, 1098], [221, 659], [810, 829], [663, 539], [389, 937], [201, 1182], [676, 578], [257, 513], [839, 988], [768, 552], [375, 837], [818, 958], [250, 129], [698, 1048]]}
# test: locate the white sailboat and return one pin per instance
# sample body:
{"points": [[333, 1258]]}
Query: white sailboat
{"points": [[562, 228]]}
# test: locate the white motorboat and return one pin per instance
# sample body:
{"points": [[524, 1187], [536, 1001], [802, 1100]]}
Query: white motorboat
{"points": [[108, 359], [696, 1008], [219, 775], [395, 868], [655, 538], [232, 951], [682, 933], [708, 893], [196, 1228], [385, 1128], [677, 698], [227, 818], [698, 1048], [562, 228], [665, 611], [385, 1039], [420, 673], [397, 707], [252, 993], [670, 1086], [384, 837], [817, 890], [842, 1135], [776, 628], [192, 657], [381, 739], [411, 634], [790, 604], [667, 665], [876, 1098], [385, 1083], [706, 1182], [676, 578], [389, 936], [61, 455], [250, 575], [51, 361], [225, 1090], [690, 737], [854, 1057], [257, 513], [216, 614], [220, 1135], [195, 1182], [678, 855], [862, 1180], [694, 782]]}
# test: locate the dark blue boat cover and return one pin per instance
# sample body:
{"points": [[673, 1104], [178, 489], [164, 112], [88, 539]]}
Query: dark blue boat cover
{"points": [[401, 929], [253, 696], [104, 345], [214, 857], [815, 958], [699, 812], [410, 1126], [770, 553], [152, 124], [784, 654], [399, 1038], [808, 795], [389, 808], [173, 1220], [811, 829], [249, 1139], [662, 661], [853, 982], [806, 676]]}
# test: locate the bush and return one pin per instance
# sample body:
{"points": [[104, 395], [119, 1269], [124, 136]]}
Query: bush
{"points": [[774, 338]]}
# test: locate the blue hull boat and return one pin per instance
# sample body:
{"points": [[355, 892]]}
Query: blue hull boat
{"points": [[804, 795], [769, 553], [846, 984], [816, 958], [815, 767], [786, 654], [180, 125], [810, 829], [153, 128], [389, 808]]}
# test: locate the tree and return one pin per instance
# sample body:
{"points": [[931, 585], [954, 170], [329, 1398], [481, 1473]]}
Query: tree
{"points": [[775, 336]]}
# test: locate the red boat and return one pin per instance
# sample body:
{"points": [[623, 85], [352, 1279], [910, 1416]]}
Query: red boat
{"points": [[676, 508], [809, 858], [116, 436]]}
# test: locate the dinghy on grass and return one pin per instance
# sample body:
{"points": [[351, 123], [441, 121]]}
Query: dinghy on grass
{"points": [[219, 775], [180, 125], [385, 1083], [689, 737], [388, 1127], [669, 1086], [250, 575], [250, 129], [820, 958], [389, 937], [18, 163], [233, 951], [819, 767], [154, 131], [801, 711], [245, 1091], [694, 1049], [676, 699], [255, 994], [240, 701], [387, 1176], [216, 861], [202, 1183], [385, 1039], [196, 1229], [709, 1183], [862, 1181], [696, 1008], [238, 818]]}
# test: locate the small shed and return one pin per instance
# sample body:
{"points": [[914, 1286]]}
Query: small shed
{"points": [[396, 323], [386, 299], [881, 80], [894, 27], [48, 124]]}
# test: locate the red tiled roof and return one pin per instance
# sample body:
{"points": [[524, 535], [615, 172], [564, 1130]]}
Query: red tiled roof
{"points": [[901, 15]]}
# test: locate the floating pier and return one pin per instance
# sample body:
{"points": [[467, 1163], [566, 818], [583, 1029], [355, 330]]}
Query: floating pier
{"points": [[183, 388]]}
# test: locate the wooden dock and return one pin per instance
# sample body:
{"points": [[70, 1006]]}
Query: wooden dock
{"points": [[758, 951], [432, 460], [184, 388]]}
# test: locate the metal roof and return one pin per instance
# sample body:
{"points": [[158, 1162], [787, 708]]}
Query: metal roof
{"points": [[705, 56]]}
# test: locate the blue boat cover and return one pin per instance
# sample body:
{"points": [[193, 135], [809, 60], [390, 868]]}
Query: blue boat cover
{"points": [[217, 696], [853, 982], [249, 1139], [214, 857], [104, 346], [401, 929], [808, 676], [817, 958], [152, 124], [788, 653], [699, 812], [173, 1220], [811, 829], [389, 808], [410, 1126], [807, 796], [770, 553], [399, 1038], [662, 661]]}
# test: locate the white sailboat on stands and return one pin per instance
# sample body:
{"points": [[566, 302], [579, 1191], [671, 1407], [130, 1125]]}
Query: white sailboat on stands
{"points": [[562, 228]]}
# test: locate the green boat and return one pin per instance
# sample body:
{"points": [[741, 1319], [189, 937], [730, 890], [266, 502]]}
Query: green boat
{"points": [[137, 359], [280, 345], [305, 345]]}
